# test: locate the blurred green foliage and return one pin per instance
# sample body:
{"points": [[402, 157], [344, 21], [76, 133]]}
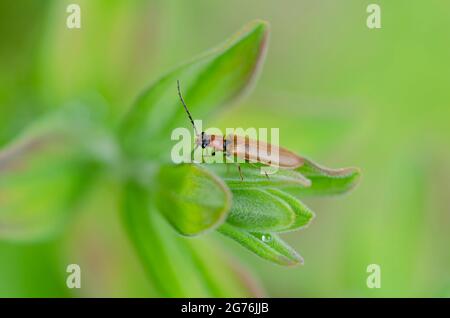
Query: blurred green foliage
{"points": [[339, 92]]}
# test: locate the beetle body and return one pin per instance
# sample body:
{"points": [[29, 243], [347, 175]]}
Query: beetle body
{"points": [[250, 150], [245, 148]]}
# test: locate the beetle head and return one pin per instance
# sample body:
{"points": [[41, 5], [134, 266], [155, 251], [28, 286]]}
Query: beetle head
{"points": [[203, 140]]}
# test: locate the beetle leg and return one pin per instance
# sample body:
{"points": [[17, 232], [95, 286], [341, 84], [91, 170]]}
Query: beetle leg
{"points": [[203, 155], [253, 165], [209, 155], [193, 151], [240, 172]]}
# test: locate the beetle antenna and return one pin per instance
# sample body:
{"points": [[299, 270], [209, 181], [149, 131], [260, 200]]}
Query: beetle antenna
{"points": [[185, 107]]}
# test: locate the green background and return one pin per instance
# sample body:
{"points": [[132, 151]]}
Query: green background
{"points": [[340, 93]]}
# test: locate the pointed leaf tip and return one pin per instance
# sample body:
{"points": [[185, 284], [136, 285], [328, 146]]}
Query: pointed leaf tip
{"points": [[266, 245], [326, 181], [267, 210], [209, 81]]}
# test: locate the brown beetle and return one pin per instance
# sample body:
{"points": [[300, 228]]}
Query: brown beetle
{"points": [[243, 147]]}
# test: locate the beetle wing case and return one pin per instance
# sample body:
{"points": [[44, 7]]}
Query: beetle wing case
{"points": [[259, 151]]}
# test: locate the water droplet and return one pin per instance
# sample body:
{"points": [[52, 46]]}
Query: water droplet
{"points": [[266, 238]]}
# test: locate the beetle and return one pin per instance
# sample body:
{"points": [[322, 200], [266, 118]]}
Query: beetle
{"points": [[243, 147]]}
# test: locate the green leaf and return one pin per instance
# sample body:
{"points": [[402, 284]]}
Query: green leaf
{"points": [[258, 210], [157, 248], [267, 210], [253, 177], [303, 215], [266, 245], [207, 82], [41, 177], [326, 181], [176, 266], [191, 198]]}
